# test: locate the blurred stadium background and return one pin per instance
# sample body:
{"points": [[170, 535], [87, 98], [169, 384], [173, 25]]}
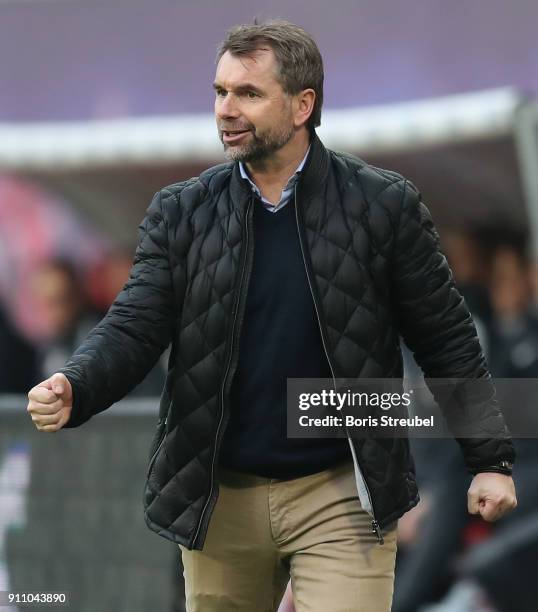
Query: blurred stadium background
{"points": [[101, 104]]}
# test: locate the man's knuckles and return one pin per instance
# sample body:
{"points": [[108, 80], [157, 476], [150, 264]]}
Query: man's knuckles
{"points": [[495, 511], [46, 419], [38, 408], [52, 424], [42, 395]]}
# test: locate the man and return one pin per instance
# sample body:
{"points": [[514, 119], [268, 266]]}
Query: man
{"points": [[289, 261]]}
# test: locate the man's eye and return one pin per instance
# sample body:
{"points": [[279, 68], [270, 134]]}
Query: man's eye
{"points": [[220, 92], [252, 95]]}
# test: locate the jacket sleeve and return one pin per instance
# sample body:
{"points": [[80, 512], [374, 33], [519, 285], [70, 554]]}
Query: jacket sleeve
{"points": [[120, 351], [436, 325]]}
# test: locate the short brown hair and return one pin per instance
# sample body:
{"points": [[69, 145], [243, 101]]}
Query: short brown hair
{"points": [[299, 61]]}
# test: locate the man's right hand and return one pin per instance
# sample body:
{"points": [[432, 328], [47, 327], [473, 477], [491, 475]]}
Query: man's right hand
{"points": [[51, 402]]}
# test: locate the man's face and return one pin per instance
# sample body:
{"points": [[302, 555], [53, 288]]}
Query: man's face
{"points": [[254, 114], [58, 303]]}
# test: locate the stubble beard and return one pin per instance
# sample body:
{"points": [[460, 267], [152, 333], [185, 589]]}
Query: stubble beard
{"points": [[259, 147]]}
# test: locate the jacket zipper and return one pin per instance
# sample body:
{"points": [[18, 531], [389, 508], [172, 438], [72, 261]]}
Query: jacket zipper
{"points": [[223, 386], [161, 442], [375, 525]]}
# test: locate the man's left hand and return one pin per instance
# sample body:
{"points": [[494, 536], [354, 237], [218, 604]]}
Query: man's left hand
{"points": [[491, 495]]}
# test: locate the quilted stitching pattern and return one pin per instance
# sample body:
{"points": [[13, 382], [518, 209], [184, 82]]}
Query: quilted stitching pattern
{"points": [[378, 272]]}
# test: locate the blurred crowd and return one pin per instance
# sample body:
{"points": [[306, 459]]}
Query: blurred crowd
{"points": [[448, 560], [67, 302]]}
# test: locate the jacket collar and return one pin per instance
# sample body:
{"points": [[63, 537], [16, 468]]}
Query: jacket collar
{"points": [[314, 174], [312, 178]]}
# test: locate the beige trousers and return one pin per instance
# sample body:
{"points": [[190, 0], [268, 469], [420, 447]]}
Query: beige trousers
{"points": [[312, 528]]}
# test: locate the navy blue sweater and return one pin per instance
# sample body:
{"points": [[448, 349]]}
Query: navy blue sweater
{"points": [[280, 338]]}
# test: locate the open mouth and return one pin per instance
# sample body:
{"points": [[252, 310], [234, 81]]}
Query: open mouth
{"points": [[233, 136]]}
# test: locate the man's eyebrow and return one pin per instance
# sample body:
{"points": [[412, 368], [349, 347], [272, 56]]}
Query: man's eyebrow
{"points": [[241, 88]]}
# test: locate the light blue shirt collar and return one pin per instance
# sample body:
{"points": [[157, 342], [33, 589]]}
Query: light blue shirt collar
{"points": [[287, 192]]}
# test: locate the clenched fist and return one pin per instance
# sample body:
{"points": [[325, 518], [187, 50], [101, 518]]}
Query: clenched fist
{"points": [[50, 403], [491, 495]]}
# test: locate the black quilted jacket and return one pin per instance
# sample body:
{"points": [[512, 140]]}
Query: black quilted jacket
{"points": [[372, 257]]}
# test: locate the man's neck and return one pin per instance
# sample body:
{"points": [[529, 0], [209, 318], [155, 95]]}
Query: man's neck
{"points": [[271, 175]]}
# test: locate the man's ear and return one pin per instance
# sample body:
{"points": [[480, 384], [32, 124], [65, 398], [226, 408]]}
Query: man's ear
{"points": [[303, 105]]}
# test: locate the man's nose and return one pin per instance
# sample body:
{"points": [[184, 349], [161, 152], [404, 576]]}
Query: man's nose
{"points": [[226, 107]]}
